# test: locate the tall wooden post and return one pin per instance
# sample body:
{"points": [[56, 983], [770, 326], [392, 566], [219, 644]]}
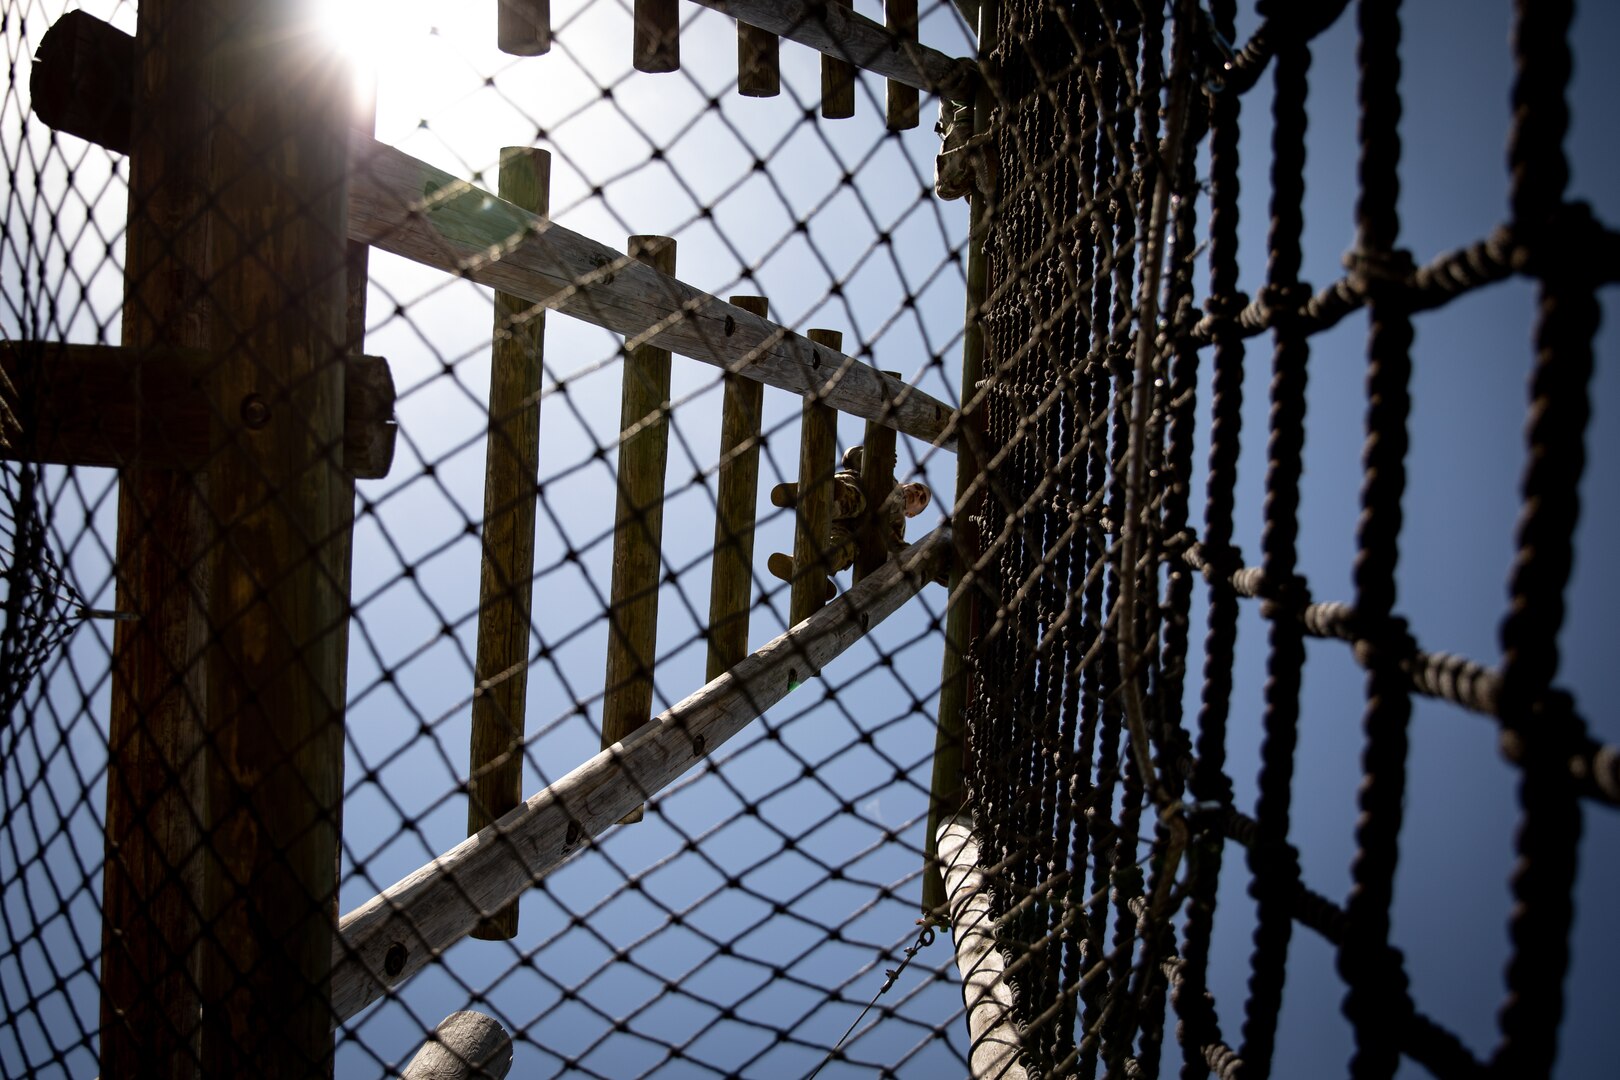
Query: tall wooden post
{"points": [[274, 720], [731, 588], [818, 433], [523, 27], [657, 36], [638, 527], [512, 461], [152, 879], [904, 104], [837, 81]]}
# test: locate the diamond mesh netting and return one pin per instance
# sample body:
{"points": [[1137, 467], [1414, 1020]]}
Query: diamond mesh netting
{"points": [[448, 630]]}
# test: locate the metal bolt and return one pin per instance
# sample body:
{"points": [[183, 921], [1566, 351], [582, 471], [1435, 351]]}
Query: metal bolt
{"points": [[255, 412]]}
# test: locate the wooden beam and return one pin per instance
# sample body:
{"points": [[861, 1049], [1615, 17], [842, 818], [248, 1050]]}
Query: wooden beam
{"points": [[83, 80], [408, 207], [837, 79], [466, 1045], [506, 580], [124, 406], [877, 484], [904, 108], [839, 32], [731, 588], [993, 1039], [813, 498], [759, 67], [657, 36], [395, 934], [523, 27], [638, 526]]}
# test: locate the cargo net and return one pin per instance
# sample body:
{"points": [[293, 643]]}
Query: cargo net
{"points": [[527, 570]]}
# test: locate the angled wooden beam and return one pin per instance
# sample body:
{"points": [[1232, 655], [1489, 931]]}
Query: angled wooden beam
{"points": [[731, 586], [395, 934], [506, 576], [839, 32], [408, 207], [466, 1045], [119, 406], [638, 527]]}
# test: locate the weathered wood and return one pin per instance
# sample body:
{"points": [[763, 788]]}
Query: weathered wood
{"points": [[839, 32], [731, 588], [465, 1046], [408, 926], [121, 406], [523, 27], [657, 36], [759, 67], [877, 484], [408, 207], [638, 526], [837, 79], [411, 209], [506, 580], [948, 786], [904, 105], [83, 79], [274, 720], [818, 449], [993, 1039]]}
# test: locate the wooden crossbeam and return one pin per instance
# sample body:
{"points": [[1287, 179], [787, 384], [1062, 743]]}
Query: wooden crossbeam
{"points": [[119, 406], [839, 32], [395, 934], [466, 1045], [506, 576], [736, 498], [406, 206]]}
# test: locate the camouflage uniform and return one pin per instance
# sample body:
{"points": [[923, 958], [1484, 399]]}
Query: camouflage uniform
{"points": [[848, 508]]}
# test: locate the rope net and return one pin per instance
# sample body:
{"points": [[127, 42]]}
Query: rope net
{"points": [[448, 630]]}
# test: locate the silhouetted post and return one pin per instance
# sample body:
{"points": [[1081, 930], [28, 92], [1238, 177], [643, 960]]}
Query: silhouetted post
{"points": [[523, 27], [657, 36], [731, 587], [877, 484], [837, 81], [904, 108], [759, 68], [818, 431]]}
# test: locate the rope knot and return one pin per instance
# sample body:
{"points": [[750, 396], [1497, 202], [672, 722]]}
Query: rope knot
{"points": [[1284, 303], [1380, 274]]}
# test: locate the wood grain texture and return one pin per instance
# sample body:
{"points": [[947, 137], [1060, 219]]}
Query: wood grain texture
{"points": [[657, 36], [122, 406], [759, 66], [408, 207], [274, 721], [395, 934], [523, 27], [843, 34], [904, 107], [731, 587], [837, 77], [466, 1045], [506, 577], [818, 450], [638, 525]]}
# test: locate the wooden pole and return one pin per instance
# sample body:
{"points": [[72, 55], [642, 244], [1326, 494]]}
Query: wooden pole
{"points": [[511, 466], [152, 880], [994, 1041], [638, 526], [657, 35], [408, 926], [465, 1046], [950, 739], [407, 207], [837, 79], [818, 436], [523, 27], [731, 588], [877, 484], [904, 107], [274, 718], [837, 31], [759, 68]]}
